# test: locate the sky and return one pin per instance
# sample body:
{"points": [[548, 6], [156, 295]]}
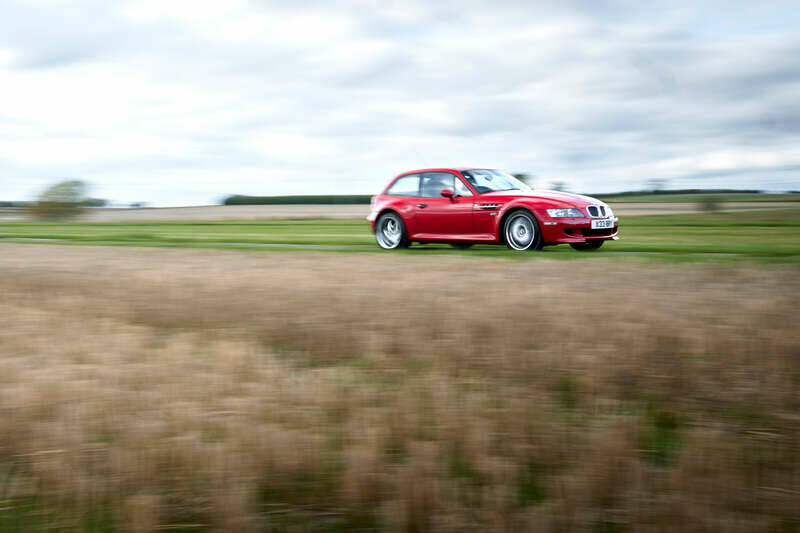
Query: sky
{"points": [[182, 102]]}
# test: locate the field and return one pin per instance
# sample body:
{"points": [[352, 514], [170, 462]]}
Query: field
{"points": [[147, 389], [763, 235], [210, 376]]}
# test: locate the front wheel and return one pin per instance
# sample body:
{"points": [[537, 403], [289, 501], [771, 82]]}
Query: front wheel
{"points": [[587, 246], [521, 231], [391, 232]]}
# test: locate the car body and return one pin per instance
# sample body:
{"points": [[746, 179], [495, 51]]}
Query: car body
{"points": [[465, 206]]}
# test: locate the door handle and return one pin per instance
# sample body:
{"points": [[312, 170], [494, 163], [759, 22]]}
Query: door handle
{"points": [[422, 206]]}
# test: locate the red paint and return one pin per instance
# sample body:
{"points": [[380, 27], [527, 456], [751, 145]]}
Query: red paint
{"points": [[461, 218]]}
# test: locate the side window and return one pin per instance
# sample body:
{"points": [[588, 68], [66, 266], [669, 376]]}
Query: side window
{"points": [[461, 189], [405, 186], [434, 182]]}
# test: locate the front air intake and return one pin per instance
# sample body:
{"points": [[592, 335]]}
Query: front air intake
{"points": [[604, 232]]}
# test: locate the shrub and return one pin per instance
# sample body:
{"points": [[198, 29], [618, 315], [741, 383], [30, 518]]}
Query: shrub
{"points": [[60, 201], [709, 204]]}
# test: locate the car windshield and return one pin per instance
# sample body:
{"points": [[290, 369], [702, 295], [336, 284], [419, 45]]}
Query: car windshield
{"points": [[487, 180]]}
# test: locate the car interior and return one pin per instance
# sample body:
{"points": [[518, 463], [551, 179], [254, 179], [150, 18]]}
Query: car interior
{"points": [[433, 184]]}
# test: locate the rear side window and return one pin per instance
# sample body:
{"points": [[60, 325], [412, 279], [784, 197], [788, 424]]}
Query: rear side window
{"points": [[405, 186]]}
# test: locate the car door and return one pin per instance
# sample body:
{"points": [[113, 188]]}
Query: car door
{"points": [[440, 217]]}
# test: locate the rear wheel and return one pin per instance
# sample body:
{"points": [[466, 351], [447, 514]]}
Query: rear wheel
{"points": [[587, 246], [391, 232], [521, 231]]}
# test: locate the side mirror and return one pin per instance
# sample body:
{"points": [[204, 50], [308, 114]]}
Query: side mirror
{"points": [[447, 193]]}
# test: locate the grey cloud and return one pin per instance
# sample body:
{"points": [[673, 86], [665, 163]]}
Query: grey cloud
{"points": [[47, 36], [551, 88]]}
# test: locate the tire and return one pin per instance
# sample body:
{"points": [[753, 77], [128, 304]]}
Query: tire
{"points": [[461, 245], [390, 232], [587, 246], [521, 231]]}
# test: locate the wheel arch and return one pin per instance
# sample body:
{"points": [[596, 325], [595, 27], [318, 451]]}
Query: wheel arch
{"points": [[501, 237]]}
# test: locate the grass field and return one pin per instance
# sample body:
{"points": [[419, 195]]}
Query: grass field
{"points": [[148, 390], [772, 235]]}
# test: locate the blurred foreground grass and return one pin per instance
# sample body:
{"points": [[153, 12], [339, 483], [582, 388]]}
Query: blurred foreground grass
{"points": [[153, 390], [757, 235]]}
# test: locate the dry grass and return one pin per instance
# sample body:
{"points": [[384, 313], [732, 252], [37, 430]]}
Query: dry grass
{"points": [[147, 389]]}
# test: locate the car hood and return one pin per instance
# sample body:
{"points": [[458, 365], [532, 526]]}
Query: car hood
{"points": [[574, 200]]}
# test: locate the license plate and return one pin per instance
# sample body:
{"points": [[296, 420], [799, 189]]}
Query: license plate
{"points": [[603, 224]]}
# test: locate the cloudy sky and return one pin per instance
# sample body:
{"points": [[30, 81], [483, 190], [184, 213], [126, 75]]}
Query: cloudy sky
{"points": [[183, 102]]}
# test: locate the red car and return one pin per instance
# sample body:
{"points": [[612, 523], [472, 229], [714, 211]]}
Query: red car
{"points": [[465, 206]]}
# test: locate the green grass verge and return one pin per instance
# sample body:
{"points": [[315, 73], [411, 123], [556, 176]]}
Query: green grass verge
{"points": [[751, 235]]}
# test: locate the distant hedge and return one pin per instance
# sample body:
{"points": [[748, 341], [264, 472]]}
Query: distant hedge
{"points": [[679, 191], [240, 199]]}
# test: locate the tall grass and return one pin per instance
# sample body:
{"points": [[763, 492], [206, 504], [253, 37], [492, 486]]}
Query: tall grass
{"points": [[144, 390]]}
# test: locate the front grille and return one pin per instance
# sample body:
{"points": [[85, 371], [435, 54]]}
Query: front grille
{"points": [[597, 211], [587, 232]]}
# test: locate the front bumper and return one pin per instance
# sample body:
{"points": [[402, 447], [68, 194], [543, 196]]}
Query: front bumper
{"points": [[372, 218], [575, 230]]}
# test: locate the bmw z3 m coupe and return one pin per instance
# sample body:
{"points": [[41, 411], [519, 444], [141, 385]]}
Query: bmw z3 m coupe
{"points": [[466, 206]]}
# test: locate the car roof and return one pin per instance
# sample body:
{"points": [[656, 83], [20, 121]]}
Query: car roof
{"points": [[440, 169]]}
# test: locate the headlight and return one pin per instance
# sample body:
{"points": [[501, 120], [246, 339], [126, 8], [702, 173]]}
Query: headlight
{"points": [[565, 213], [609, 212]]}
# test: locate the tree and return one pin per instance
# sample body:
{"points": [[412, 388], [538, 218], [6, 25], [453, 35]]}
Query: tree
{"points": [[558, 185], [60, 201], [95, 202], [656, 185], [525, 178]]}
